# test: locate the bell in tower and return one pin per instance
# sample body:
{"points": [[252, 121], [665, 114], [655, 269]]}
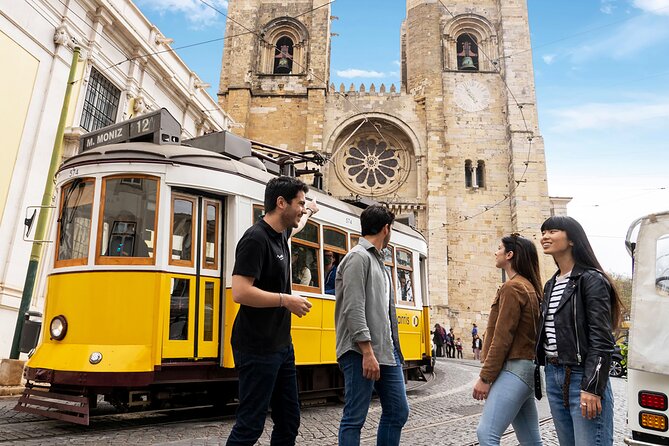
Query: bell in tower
{"points": [[283, 61], [468, 55]]}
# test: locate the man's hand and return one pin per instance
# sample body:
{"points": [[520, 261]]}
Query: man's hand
{"points": [[370, 366], [481, 390], [313, 206], [296, 304]]}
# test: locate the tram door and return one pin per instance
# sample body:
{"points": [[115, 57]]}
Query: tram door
{"points": [[192, 317]]}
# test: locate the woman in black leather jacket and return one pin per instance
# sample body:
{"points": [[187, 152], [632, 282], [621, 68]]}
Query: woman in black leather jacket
{"points": [[580, 310]]}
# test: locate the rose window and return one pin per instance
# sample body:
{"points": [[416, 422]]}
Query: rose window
{"points": [[373, 165]]}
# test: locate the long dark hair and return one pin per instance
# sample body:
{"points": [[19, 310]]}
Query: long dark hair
{"points": [[525, 260], [584, 256]]}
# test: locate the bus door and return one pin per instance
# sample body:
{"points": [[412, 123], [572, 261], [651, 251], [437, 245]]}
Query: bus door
{"points": [[192, 318]]}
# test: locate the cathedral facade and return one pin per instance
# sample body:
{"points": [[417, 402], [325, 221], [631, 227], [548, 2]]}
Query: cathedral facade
{"points": [[456, 146]]}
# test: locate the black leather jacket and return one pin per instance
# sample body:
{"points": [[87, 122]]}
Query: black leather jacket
{"points": [[583, 327]]}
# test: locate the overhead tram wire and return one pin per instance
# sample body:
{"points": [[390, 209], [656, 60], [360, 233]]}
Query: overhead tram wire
{"points": [[527, 130]]}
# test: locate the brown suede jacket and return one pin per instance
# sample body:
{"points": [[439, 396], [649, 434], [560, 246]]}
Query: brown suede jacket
{"points": [[512, 326]]}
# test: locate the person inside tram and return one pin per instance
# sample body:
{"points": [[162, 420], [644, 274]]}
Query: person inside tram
{"points": [[330, 260], [405, 288], [301, 272]]}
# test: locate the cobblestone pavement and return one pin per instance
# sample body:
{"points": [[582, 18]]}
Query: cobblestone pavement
{"points": [[442, 413]]}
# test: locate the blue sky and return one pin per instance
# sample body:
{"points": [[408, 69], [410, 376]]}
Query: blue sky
{"points": [[602, 82]]}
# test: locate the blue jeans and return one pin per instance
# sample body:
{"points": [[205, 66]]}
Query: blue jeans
{"points": [[266, 380], [510, 401], [358, 394], [572, 428]]}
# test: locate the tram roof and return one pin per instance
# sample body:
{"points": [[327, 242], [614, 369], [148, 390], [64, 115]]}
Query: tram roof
{"points": [[186, 155]]}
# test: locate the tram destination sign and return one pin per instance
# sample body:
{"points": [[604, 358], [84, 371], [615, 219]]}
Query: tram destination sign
{"points": [[158, 127]]}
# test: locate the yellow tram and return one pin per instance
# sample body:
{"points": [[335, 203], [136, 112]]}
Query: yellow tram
{"points": [[139, 306]]}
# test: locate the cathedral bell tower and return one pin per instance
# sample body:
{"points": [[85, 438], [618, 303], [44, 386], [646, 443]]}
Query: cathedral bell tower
{"points": [[275, 70]]}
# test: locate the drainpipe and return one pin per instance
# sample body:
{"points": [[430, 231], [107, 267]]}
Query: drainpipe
{"points": [[43, 219]]}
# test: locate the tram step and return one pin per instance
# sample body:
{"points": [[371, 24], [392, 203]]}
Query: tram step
{"points": [[59, 406]]}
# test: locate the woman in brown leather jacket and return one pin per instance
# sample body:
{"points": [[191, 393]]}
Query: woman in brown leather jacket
{"points": [[506, 380]]}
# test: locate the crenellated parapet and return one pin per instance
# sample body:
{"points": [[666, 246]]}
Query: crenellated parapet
{"points": [[362, 90]]}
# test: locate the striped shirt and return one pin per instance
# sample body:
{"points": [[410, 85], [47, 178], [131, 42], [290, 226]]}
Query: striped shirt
{"points": [[550, 344]]}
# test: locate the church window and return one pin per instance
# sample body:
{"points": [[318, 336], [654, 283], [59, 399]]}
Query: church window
{"points": [[480, 174], [283, 48], [474, 174], [468, 53], [283, 59]]}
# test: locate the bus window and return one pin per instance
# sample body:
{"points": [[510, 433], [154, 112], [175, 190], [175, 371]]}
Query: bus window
{"points": [[405, 276], [74, 222], [128, 223], [304, 257], [662, 265]]}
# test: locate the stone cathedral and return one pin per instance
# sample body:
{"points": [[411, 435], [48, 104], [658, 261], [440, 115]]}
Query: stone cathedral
{"points": [[466, 158]]}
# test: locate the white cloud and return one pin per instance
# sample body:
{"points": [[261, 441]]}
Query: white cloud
{"points": [[548, 58], [195, 11], [659, 7], [397, 62], [599, 116], [354, 72], [647, 31], [607, 6]]}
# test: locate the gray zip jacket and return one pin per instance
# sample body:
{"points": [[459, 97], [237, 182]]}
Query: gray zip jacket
{"points": [[360, 308]]}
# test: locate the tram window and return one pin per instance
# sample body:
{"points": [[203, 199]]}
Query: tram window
{"points": [[128, 223], [354, 240], [179, 303], [334, 249], [181, 247], [405, 275], [74, 222], [258, 212], [662, 265], [389, 262], [211, 236], [304, 257], [208, 334]]}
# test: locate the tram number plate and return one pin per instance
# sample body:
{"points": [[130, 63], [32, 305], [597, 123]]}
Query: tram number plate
{"points": [[143, 126]]}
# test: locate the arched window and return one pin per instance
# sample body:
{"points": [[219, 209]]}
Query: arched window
{"points": [[283, 50], [283, 58], [470, 44], [468, 53], [480, 173], [468, 173]]}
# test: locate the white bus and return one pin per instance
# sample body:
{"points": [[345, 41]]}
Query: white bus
{"points": [[648, 357]]}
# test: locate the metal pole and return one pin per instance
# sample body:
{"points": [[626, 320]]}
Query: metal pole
{"points": [[43, 220]]}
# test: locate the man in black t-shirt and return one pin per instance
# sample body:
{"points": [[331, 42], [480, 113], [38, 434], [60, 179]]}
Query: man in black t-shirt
{"points": [[261, 342]]}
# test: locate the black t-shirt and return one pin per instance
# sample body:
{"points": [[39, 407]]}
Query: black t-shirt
{"points": [[262, 253]]}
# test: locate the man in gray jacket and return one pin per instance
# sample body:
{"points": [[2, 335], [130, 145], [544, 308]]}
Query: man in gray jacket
{"points": [[368, 349]]}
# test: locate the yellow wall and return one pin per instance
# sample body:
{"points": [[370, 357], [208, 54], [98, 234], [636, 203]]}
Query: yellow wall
{"points": [[17, 80]]}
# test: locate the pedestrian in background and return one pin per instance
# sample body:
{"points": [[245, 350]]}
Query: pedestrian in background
{"points": [[580, 311], [368, 349], [450, 344], [261, 342], [476, 347], [506, 380], [458, 347], [475, 331], [439, 339]]}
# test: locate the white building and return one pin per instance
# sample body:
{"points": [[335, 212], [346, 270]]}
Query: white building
{"points": [[126, 68]]}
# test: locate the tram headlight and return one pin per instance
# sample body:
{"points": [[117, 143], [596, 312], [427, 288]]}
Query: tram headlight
{"points": [[58, 327]]}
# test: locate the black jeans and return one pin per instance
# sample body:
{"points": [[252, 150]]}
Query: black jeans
{"points": [[268, 379]]}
